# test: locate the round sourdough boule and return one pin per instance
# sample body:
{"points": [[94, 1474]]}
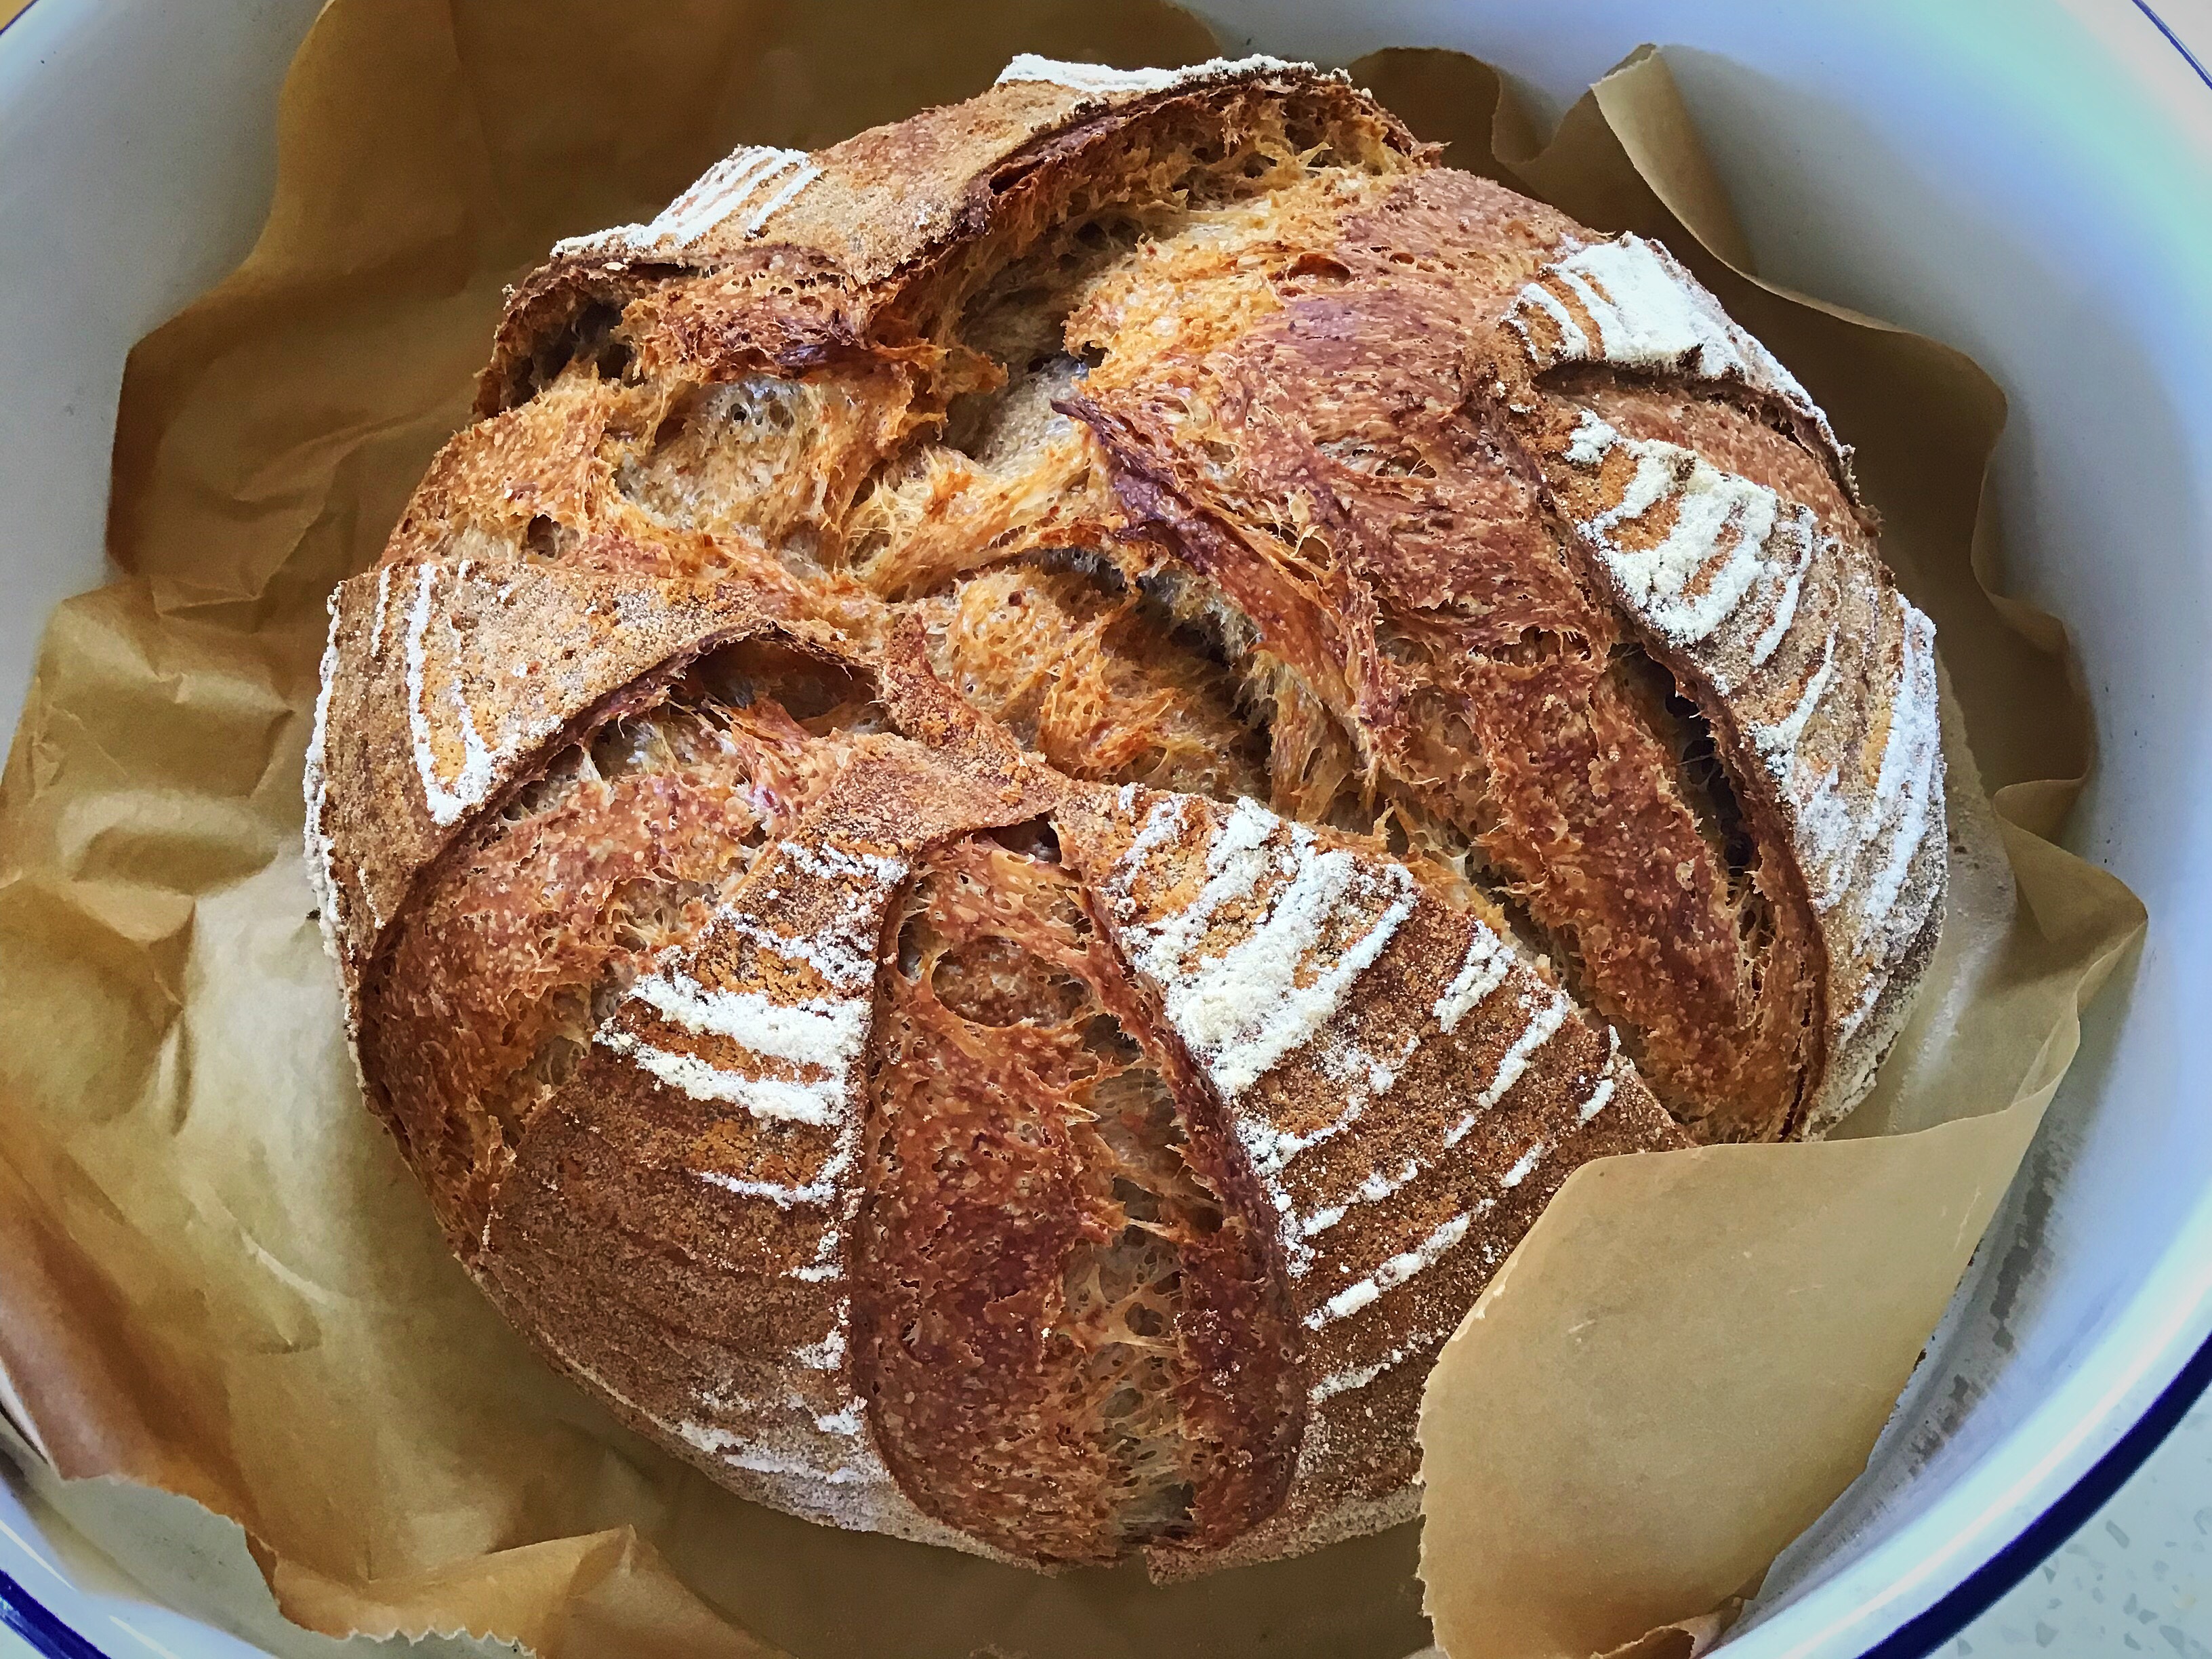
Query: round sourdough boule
{"points": [[788, 806]]}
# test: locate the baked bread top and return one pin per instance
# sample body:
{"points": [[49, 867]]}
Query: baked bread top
{"points": [[1035, 778]]}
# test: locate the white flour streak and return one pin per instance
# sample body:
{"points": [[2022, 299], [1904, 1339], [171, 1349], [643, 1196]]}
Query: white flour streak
{"points": [[1278, 989], [1243, 1011], [1650, 315], [1272, 1150], [828, 860], [1395, 1271], [844, 962], [1487, 962], [1910, 781], [841, 1480], [1600, 1097], [1320, 1221], [1162, 825], [1691, 579], [1350, 1063], [739, 1452], [1098, 78], [721, 189], [1574, 345], [757, 221], [821, 1190], [1588, 442], [817, 1032], [1843, 843], [1524, 1165], [826, 1264], [1547, 1020], [828, 1353], [842, 951], [1544, 1022], [1346, 1302], [1778, 742], [826, 1036], [1375, 1188], [1323, 916], [811, 1102], [1810, 542], [322, 859], [745, 182], [1827, 840], [447, 802], [1337, 1382]]}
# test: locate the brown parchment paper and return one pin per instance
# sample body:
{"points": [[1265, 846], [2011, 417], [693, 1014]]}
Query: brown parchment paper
{"points": [[228, 1332]]}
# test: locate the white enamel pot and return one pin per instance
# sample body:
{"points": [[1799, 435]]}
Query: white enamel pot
{"points": [[2028, 179]]}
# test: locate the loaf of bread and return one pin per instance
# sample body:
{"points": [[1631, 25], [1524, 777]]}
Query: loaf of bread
{"points": [[1033, 780]]}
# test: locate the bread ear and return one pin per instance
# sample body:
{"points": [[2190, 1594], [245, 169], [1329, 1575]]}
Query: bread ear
{"points": [[808, 263]]}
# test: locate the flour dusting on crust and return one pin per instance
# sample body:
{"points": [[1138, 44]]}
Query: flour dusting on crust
{"points": [[1266, 997], [749, 185], [1113, 83], [792, 1059], [437, 726], [322, 877], [1629, 303], [1761, 601], [1247, 923], [1723, 547]]}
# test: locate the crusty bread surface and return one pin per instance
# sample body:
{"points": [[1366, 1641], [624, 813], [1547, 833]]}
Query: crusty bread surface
{"points": [[1033, 780]]}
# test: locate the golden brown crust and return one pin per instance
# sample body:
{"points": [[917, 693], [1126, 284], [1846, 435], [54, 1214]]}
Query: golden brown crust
{"points": [[1070, 1343], [787, 806]]}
